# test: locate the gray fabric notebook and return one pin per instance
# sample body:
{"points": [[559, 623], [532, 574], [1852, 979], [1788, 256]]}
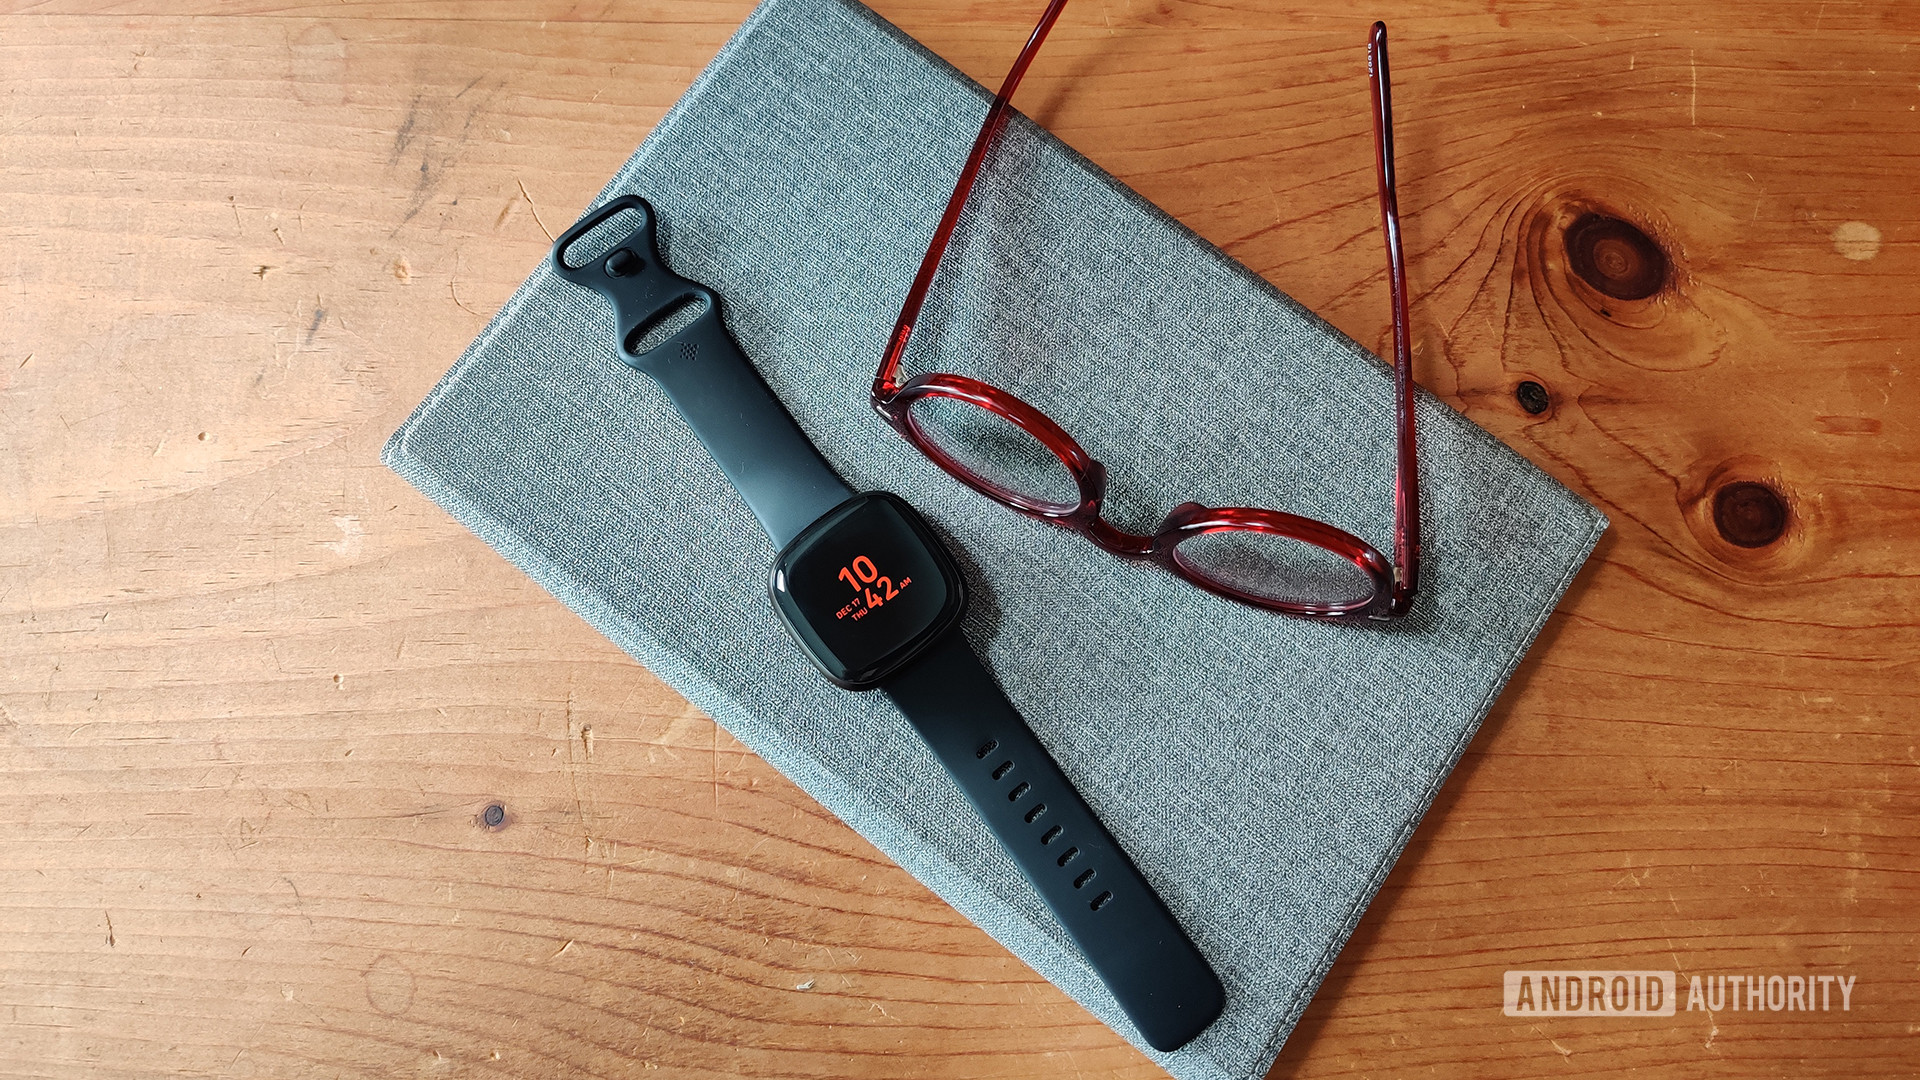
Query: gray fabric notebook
{"points": [[1263, 772]]}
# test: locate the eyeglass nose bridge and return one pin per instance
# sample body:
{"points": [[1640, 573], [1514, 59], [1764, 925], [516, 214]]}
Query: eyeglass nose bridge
{"points": [[1117, 541]]}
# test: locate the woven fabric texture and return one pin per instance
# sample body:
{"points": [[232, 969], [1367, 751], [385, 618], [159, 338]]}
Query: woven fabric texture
{"points": [[1263, 772]]}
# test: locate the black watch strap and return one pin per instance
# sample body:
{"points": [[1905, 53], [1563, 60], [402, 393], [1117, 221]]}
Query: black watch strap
{"points": [[1162, 982], [766, 456], [770, 461]]}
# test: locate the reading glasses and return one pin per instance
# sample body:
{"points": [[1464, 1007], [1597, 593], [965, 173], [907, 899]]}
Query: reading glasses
{"points": [[1011, 452]]}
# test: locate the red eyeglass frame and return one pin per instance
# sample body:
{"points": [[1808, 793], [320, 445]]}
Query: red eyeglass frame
{"points": [[1395, 583]]}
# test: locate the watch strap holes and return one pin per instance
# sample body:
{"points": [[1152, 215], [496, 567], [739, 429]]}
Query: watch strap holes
{"points": [[1019, 791]]}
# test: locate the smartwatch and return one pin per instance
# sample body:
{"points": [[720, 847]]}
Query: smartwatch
{"points": [[874, 600]]}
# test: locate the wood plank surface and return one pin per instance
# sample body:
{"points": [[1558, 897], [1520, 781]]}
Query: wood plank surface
{"points": [[257, 695]]}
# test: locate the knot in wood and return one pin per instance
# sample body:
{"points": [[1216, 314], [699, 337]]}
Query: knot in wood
{"points": [[1749, 514], [1615, 257]]}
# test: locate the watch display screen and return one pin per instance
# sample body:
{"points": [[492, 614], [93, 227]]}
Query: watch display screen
{"points": [[865, 586]]}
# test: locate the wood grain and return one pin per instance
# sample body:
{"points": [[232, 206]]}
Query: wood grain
{"points": [[256, 695]]}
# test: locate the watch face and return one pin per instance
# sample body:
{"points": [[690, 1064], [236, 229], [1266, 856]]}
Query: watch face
{"points": [[865, 588]]}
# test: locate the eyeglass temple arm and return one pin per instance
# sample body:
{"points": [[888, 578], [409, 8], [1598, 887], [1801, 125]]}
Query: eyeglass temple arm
{"points": [[1406, 477], [884, 380]]}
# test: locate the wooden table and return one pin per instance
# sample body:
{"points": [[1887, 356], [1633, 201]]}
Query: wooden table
{"points": [[256, 695]]}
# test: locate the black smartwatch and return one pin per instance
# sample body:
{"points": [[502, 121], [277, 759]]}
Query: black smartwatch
{"points": [[875, 601]]}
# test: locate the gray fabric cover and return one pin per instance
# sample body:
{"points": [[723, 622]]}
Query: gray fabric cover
{"points": [[1264, 772]]}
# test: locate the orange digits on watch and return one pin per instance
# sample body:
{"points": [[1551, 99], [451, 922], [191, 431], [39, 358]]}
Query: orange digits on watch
{"points": [[868, 584]]}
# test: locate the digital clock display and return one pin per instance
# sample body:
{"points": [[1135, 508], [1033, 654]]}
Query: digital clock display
{"points": [[865, 586]]}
